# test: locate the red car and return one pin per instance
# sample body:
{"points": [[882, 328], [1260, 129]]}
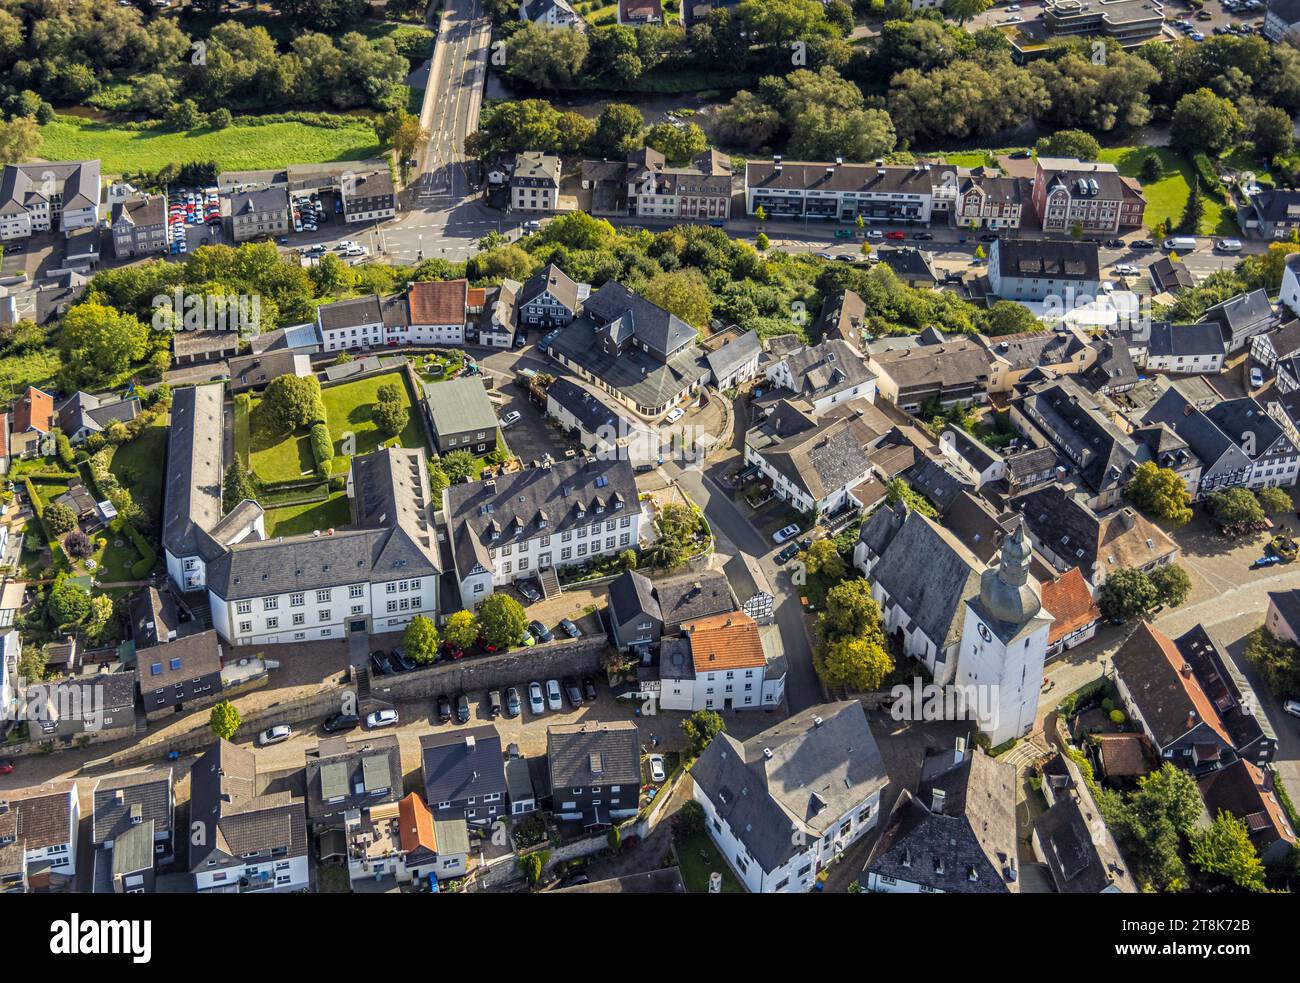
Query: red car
{"points": [[897, 236], [6, 765], [485, 645]]}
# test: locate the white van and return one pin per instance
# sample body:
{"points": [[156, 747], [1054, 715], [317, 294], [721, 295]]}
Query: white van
{"points": [[1184, 244], [1228, 245]]}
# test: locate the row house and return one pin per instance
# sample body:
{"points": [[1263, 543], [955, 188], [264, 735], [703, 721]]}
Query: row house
{"points": [[700, 191], [948, 373], [39, 824], [836, 191], [132, 830], [1185, 348], [824, 375], [351, 324], [465, 776], [239, 841], [990, 201], [1069, 193], [549, 299], [139, 225], [555, 515], [595, 772]]}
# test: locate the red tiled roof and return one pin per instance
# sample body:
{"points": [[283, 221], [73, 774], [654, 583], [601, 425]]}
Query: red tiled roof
{"points": [[1152, 668], [725, 641], [415, 825], [437, 301], [1069, 601], [35, 410], [1123, 755]]}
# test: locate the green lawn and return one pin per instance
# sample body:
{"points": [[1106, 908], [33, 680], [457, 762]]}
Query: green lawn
{"points": [[1167, 197], [234, 148], [138, 465], [697, 857], [113, 563], [276, 457], [294, 520]]}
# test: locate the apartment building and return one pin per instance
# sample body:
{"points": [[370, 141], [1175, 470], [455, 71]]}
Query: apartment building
{"points": [[701, 191], [551, 516], [840, 192], [535, 182], [1069, 193], [139, 225], [54, 196], [259, 214], [355, 323]]}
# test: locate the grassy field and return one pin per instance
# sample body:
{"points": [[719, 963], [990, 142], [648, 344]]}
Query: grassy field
{"points": [[294, 520], [276, 457], [37, 368], [234, 148], [138, 465], [697, 857], [1167, 197]]}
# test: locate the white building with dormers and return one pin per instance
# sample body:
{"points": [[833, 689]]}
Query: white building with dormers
{"points": [[373, 576], [555, 515]]}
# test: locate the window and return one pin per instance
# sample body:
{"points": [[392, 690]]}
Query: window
{"points": [[295, 600], [245, 627], [323, 615], [356, 590], [392, 607], [244, 607], [299, 619], [270, 603], [323, 596], [272, 623], [391, 587]]}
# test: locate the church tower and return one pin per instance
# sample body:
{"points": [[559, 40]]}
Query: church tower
{"points": [[1004, 642]]}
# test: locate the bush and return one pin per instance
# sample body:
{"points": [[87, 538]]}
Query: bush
{"points": [[65, 450], [1117, 717], [58, 519], [322, 449]]}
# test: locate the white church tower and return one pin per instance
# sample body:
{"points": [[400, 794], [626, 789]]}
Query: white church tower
{"points": [[1004, 642]]}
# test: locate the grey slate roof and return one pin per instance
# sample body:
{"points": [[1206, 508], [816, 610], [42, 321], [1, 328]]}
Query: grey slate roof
{"points": [[973, 836], [827, 368], [188, 657], [632, 594], [1028, 349], [825, 458], [554, 280], [637, 375], [350, 313], [824, 763], [1242, 316], [591, 412], [150, 790], [454, 770], [514, 505], [392, 537], [734, 354], [1073, 421], [460, 405], [939, 480], [1113, 368], [192, 498], [663, 332], [1287, 603], [84, 409], [691, 596], [1043, 259], [925, 569], [1081, 854], [1202, 338], [580, 755], [234, 818]]}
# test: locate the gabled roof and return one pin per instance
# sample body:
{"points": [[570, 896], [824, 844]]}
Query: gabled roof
{"points": [[843, 316], [437, 301], [344, 775], [43, 813], [34, 411], [463, 763], [553, 280], [800, 776], [350, 313], [631, 595], [1169, 698], [1244, 791], [1047, 259], [734, 354], [725, 641], [1072, 530], [827, 368], [192, 497], [1243, 315], [416, 826], [925, 570], [957, 833], [1080, 851], [460, 405], [826, 458], [664, 333], [1070, 602], [1189, 340], [1073, 421], [123, 801], [581, 755]]}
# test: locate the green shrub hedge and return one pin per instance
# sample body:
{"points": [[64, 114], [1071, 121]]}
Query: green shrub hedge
{"points": [[322, 449]]}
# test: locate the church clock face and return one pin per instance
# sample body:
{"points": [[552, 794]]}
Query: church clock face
{"points": [[985, 633]]}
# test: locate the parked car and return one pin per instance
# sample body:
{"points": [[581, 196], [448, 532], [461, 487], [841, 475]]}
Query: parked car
{"points": [[675, 414], [781, 535], [1256, 377], [399, 660], [526, 640], [553, 698], [875, 234], [1292, 707], [340, 722], [462, 709], [657, 770], [540, 631], [923, 236], [535, 703], [573, 691], [513, 702], [787, 554], [989, 237], [494, 702], [6, 766], [378, 660], [444, 708], [896, 236], [510, 419], [589, 688], [531, 593], [1228, 245], [1142, 244], [274, 735], [381, 718], [570, 629], [574, 879]]}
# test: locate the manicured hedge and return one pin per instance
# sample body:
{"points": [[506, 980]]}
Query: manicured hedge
{"points": [[322, 449], [140, 569]]}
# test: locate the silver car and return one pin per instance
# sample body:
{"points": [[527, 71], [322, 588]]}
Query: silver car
{"points": [[274, 735], [554, 699]]}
